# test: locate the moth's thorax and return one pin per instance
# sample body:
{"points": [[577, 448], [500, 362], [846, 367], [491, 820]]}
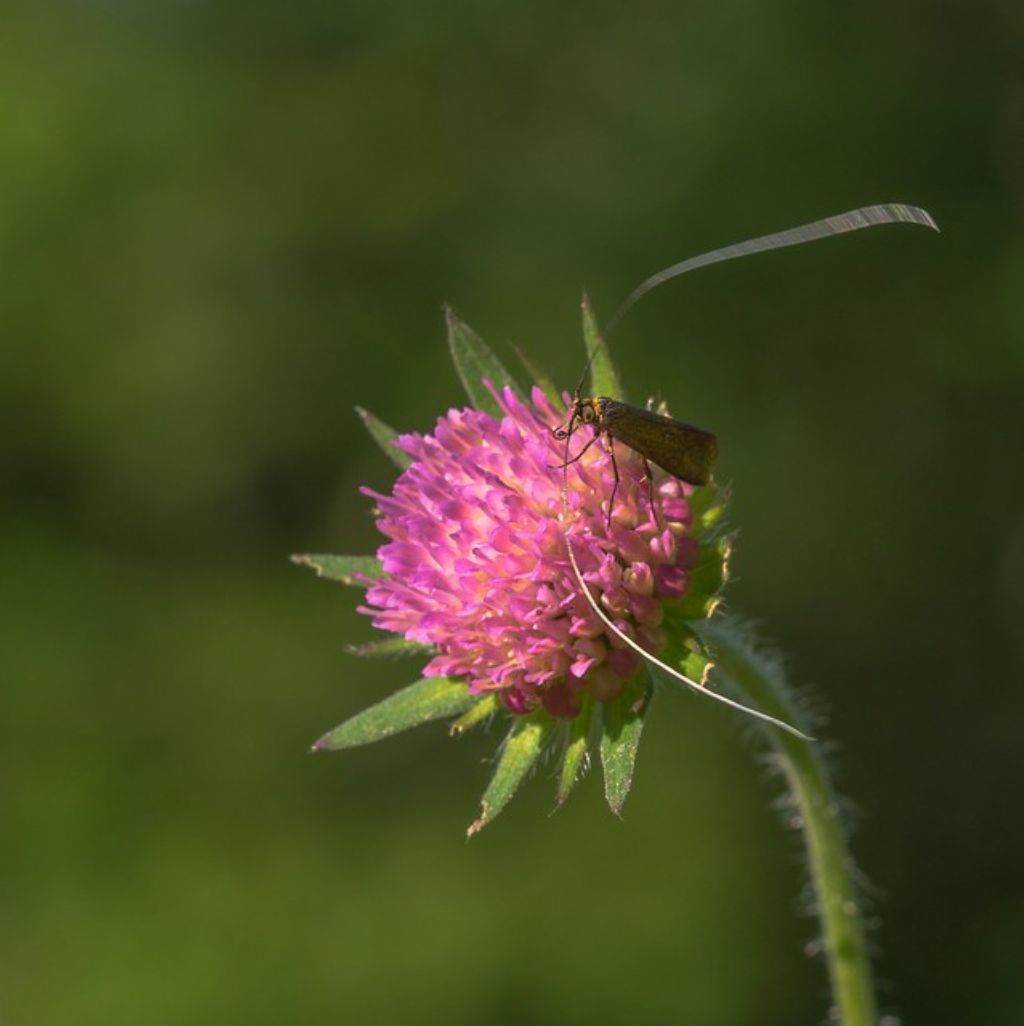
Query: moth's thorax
{"points": [[589, 410]]}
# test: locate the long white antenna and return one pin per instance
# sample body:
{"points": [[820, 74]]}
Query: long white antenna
{"points": [[851, 221]]}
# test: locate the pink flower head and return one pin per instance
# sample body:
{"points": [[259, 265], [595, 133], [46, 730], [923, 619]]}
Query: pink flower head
{"points": [[477, 564]]}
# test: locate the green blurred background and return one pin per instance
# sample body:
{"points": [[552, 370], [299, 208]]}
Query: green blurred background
{"points": [[224, 225]]}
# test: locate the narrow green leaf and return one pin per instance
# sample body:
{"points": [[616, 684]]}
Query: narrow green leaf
{"points": [[603, 378], [346, 569], [486, 707], [390, 648], [620, 739], [539, 377], [574, 758], [520, 751], [475, 360], [383, 436], [429, 699]]}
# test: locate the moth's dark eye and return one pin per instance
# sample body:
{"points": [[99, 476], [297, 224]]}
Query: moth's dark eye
{"points": [[588, 414]]}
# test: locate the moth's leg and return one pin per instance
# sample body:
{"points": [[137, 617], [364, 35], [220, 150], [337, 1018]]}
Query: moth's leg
{"points": [[615, 471], [650, 491]]}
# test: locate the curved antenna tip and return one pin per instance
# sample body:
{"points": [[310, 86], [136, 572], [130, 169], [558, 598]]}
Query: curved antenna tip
{"points": [[837, 224]]}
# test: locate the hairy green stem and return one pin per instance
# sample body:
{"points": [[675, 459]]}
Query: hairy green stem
{"points": [[759, 679]]}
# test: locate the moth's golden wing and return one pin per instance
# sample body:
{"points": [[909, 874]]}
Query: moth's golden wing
{"points": [[685, 451]]}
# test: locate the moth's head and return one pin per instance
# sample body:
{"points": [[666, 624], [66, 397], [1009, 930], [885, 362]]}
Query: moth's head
{"points": [[582, 411], [585, 410]]}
